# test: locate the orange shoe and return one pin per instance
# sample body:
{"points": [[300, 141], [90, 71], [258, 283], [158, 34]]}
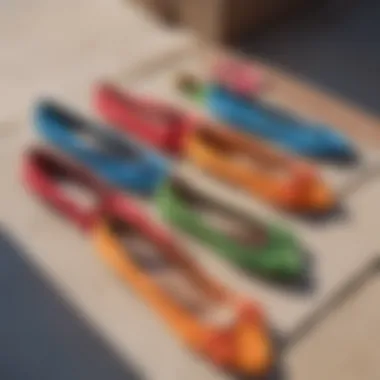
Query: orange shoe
{"points": [[278, 178], [213, 322]]}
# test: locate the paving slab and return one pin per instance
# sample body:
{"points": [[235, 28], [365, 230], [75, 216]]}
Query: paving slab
{"points": [[345, 344]]}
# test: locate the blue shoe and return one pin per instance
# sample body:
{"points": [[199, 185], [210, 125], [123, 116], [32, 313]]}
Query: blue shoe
{"points": [[120, 161], [282, 129]]}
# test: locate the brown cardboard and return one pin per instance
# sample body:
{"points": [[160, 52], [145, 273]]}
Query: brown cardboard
{"points": [[221, 20], [166, 10]]}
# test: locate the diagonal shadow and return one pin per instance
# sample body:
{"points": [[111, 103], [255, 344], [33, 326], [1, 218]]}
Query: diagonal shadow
{"points": [[336, 299], [41, 335]]}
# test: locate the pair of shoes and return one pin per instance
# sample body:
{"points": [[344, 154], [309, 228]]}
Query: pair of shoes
{"points": [[277, 178], [276, 126], [255, 246], [119, 161], [209, 319], [250, 164]]}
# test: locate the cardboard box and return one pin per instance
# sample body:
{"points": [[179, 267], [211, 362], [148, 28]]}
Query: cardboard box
{"points": [[166, 10], [222, 20], [229, 20]]}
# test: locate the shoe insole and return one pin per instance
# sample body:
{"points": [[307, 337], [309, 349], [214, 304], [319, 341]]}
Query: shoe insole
{"points": [[235, 228], [80, 194], [106, 144], [257, 159], [73, 188], [243, 230], [92, 137], [173, 278]]}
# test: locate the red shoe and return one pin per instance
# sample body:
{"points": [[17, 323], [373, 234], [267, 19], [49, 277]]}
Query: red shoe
{"points": [[157, 125], [49, 175]]}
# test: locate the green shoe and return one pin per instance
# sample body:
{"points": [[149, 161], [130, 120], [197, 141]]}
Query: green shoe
{"points": [[250, 244]]}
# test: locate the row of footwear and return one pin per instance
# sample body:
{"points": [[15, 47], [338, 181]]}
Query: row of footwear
{"points": [[232, 95], [133, 155], [274, 176]]}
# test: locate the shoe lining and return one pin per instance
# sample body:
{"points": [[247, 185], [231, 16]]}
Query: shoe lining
{"points": [[75, 189], [93, 137], [257, 159], [171, 277], [244, 230]]}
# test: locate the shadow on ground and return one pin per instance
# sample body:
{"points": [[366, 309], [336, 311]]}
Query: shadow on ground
{"points": [[305, 284], [333, 303], [42, 336]]}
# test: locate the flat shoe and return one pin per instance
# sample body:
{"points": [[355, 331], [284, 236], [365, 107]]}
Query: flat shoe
{"points": [[114, 158], [155, 124], [213, 322], [272, 175], [251, 244], [66, 187]]}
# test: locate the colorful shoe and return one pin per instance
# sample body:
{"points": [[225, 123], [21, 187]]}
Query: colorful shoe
{"points": [[207, 318], [291, 133], [65, 187], [158, 125], [250, 244], [277, 178], [117, 160]]}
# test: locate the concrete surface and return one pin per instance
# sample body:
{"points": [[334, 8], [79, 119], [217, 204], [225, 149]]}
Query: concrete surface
{"points": [[345, 345], [61, 49]]}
